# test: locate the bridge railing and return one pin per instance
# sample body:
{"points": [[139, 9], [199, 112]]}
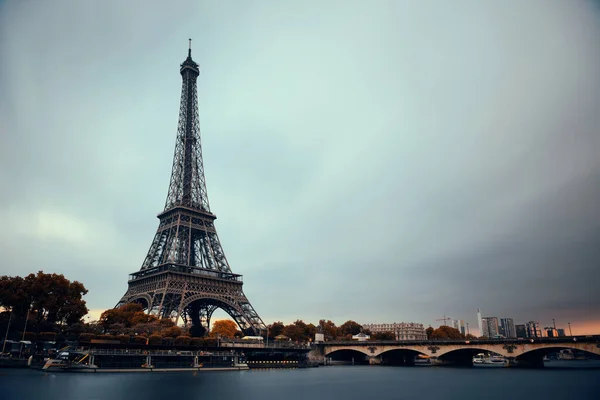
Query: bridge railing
{"points": [[153, 352], [557, 340], [277, 344]]}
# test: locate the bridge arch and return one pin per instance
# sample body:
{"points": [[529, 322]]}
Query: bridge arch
{"points": [[471, 350], [201, 307], [348, 355], [537, 354], [334, 350], [401, 356], [464, 356]]}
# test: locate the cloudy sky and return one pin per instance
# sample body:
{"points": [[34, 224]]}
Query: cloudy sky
{"points": [[377, 161]]}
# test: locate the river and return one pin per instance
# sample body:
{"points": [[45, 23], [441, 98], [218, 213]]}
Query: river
{"points": [[330, 383]]}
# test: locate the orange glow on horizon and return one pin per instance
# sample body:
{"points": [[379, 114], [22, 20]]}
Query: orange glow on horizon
{"points": [[582, 328]]}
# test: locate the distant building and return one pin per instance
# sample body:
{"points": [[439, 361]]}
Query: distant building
{"points": [[459, 325], [560, 332], [493, 330], [485, 332], [551, 332], [361, 337], [489, 327], [532, 329], [507, 328], [521, 331], [480, 322], [402, 330]]}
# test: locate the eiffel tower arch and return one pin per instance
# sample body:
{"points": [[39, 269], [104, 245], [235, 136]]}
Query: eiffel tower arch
{"points": [[185, 273]]}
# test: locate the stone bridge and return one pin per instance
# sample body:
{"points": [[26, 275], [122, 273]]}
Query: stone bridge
{"points": [[523, 352]]}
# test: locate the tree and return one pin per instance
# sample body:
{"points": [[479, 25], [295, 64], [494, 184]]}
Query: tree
{"points": [[350, 328], [299, 331], [197, 331], [51, 298], [329, 329], [428, 332], [383, 336], [129, 314], [14, 295], [310, 331], [224, 328], [55, 299], [276, 329], [445, 332], [173, 332]]}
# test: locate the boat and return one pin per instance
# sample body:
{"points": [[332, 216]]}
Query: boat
{"points": [[69, 360], [482, 359], [135, 360]]}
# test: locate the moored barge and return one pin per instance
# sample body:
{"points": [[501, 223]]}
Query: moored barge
{"points": [[77, 359]]}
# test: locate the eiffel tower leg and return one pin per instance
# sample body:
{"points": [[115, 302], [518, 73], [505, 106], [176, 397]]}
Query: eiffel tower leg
{"points": [[210, 309], [194, 312], [160, 306], [180, 308]]}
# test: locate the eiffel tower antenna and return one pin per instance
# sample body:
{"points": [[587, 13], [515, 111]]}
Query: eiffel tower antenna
{"points": [[185, 273]]}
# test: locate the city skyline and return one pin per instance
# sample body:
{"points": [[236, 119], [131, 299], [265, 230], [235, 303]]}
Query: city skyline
{"points": [[429, 164]]}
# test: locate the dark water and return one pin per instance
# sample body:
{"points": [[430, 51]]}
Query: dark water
{"points": [[348, 383]]}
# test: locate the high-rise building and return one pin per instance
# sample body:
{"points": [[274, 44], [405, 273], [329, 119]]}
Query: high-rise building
{"points": [[459, 325], [560, 332], [521, 331], [532, 329], [489, 327], [507, 326], [485, 332], [480, 322], [493, 329]]}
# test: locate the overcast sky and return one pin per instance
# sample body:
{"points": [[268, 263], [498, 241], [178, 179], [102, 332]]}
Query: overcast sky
{"points": [[377, 161]]}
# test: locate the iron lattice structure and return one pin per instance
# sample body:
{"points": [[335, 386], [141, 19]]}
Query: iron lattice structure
{"points": [[186, 273]]}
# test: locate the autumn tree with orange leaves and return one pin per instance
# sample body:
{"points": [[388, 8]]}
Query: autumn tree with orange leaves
{"points": [[224, 328]]}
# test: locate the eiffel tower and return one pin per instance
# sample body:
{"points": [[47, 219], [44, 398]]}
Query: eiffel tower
{"points": [[186, 273]]}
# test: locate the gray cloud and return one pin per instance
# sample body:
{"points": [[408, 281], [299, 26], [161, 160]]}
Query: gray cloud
{"points": [[389, 163]]}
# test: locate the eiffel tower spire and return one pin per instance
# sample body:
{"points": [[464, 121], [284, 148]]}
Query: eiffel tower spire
{"points": [[188, 186], [185, 273]]}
